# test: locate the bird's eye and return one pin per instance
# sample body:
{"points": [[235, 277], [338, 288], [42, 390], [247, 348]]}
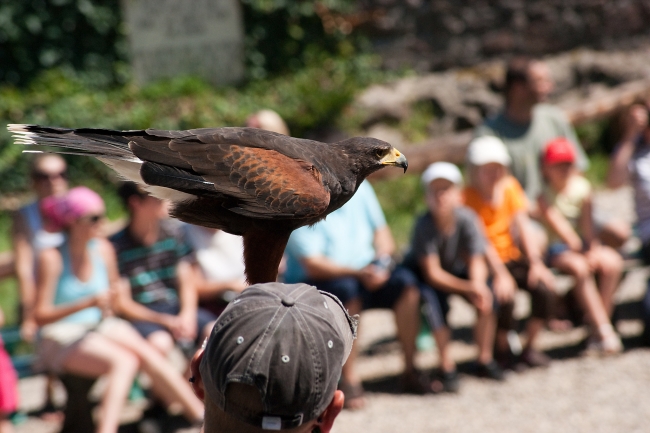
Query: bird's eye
{"points": [[379, 153]]}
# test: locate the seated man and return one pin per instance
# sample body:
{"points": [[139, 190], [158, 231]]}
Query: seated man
{"points": [[155, 258], [349, 255], [219, 268], [448, 255], [252, 380]]}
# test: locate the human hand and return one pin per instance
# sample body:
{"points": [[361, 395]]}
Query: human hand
{"points": [[635, 121], [373, 277], [575, 244], [539, 273], [175, 326], [185, 327], [103, 302], [28, 330], [481, 297], [504, 287]]}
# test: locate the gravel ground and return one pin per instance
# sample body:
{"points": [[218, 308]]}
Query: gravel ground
{"points": [[577, 393], [574, 395]]}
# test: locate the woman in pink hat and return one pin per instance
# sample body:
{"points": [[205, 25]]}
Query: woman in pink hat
{"points": [[79, 333]]}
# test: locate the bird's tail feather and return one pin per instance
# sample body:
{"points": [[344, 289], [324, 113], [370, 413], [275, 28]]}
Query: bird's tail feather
{"points": [[88, 142]]}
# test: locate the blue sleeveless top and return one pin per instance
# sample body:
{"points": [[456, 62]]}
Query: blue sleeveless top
{"points": [[70, 289]]}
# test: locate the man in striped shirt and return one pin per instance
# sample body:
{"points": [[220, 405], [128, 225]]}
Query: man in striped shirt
{"points": [[160, 298]]}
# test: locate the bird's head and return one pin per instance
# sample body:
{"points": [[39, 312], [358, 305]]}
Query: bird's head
{"points": [[370, 155]]}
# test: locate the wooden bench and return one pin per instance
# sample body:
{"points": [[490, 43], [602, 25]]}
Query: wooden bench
{"points": [[78, 408]]}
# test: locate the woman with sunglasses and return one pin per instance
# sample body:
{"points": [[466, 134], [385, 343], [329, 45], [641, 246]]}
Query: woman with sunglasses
{"points": [[79, 333], [48, 176]]}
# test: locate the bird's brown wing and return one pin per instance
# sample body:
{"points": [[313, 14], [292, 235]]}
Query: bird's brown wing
{"points": [[260, 183]]}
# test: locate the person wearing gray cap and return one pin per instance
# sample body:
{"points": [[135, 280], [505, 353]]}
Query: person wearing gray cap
{"points": [[273, 361]]}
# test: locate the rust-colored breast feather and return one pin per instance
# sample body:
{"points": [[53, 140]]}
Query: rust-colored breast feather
{"points": [[276, 183]]}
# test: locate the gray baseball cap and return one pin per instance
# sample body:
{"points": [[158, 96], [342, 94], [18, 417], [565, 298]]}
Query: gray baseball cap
{"points": [[287, 340]]}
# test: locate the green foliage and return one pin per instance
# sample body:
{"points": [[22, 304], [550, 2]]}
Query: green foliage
{"points": [[402, 200], [597, 171], [9, 300], [415, 127], [595, 137], [88, 36], [283, 35], [84, 35], [592, 135]]}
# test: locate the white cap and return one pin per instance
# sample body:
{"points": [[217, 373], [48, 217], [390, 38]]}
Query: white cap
{"points": [[441, 170], [487, 149]]}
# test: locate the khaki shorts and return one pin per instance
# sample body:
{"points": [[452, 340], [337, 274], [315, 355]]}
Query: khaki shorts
{"points": [[58, 340]]}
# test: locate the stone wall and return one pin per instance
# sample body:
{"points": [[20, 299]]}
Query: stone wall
{"points": [[436, 34]]}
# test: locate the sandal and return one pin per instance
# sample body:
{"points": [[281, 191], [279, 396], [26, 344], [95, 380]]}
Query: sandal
{"points": [[415, 383], [354, 395], [610, 345], [447, 381]]}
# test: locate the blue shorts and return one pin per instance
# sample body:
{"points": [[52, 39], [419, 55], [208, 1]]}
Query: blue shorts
{"points": [[349, 288], [203, 318], [435, 304], [554, 250]]}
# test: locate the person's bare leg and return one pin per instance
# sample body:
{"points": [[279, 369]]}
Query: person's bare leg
{"points": [[96, 355], [610, 270], [52, 413], [615, 233], [407, 319], [576, 265], [162, 340], [443, 337], [501, 341], [484, 334], [348, 373], [533, 328], [167, 383], [5, 425]]}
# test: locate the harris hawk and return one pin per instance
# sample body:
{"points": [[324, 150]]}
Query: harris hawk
{"points": [[258, 184]]}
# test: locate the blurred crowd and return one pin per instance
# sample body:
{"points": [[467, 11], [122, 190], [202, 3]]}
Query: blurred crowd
{"points": [[118, 304]]}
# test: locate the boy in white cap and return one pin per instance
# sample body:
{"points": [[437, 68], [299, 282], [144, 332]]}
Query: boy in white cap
{"points": [[448, 255], [501, 205]]}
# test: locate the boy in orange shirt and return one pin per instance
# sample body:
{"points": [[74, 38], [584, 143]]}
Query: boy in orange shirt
{"points": [[501, 205]]}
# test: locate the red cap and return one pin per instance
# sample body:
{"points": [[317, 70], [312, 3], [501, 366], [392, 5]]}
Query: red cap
{"points": [[558, 150]]}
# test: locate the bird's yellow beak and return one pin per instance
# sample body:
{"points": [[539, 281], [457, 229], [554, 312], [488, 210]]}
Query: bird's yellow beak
{"points": [[397, 158]]}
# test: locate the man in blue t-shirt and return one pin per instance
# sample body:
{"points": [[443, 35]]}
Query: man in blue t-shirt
{"points": [[349, 255]]}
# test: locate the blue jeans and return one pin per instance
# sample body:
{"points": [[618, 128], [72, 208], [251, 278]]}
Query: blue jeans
{"points": [[349, 288]]}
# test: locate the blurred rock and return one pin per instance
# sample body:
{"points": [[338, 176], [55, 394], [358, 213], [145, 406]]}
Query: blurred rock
{"points": [[435, 34], [461, 98]]}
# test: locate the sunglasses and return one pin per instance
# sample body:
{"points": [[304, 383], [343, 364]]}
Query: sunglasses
{"points": [[93, 219], [40, 176]]}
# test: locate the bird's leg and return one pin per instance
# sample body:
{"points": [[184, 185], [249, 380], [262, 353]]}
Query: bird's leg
{"points": [[262, 254]]}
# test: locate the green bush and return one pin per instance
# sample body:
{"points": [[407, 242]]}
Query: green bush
{"points": [[88, 36], [402, 199], [283, 35], [81, 34]]}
